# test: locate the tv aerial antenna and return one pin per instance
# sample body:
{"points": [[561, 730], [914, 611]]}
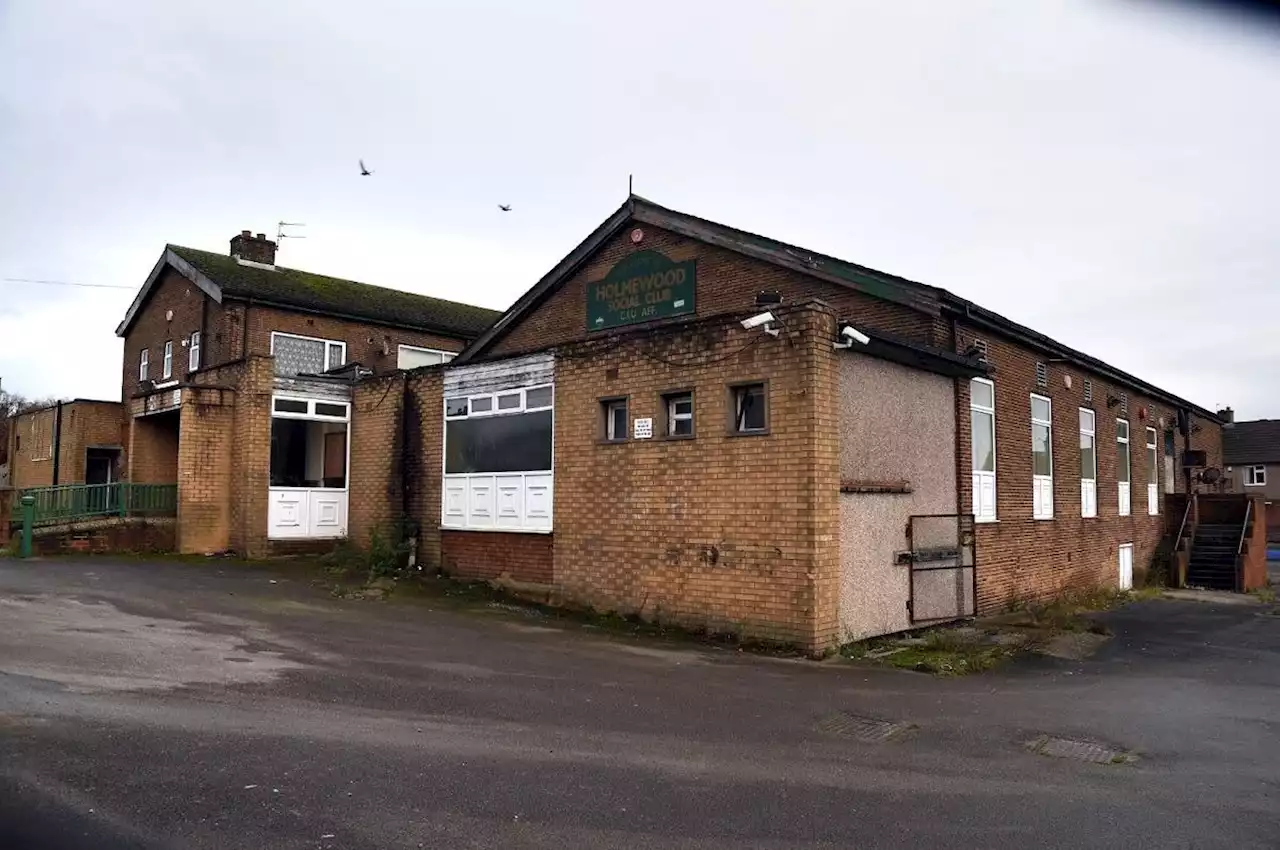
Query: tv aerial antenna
{"points": [[281, 235]]}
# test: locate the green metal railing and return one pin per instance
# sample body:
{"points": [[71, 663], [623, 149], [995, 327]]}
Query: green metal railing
{"points": [[71, 502]]}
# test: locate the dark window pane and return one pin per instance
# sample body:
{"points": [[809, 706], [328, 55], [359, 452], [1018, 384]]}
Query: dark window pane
{"points": [[520, 443], [749, 403], [511, 401], [615, 413], [288, 405], [288, 452], [481, 405], [323, 409], [682, 427], [455, 407], [1041, 454], [540, 397]]}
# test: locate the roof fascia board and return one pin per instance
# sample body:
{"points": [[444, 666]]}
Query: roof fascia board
{"points": [[168, 258], [970, 312]]}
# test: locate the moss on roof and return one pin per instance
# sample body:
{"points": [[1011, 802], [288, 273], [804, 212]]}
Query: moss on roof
{"points": [[324, 294]]}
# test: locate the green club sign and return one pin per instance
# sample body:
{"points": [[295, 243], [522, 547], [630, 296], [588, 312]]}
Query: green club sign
{"points": [[641, 288]]}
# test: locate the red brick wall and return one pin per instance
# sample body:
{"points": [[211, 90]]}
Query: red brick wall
{"points": [[727, 282], [1020, 558], [151, 329], [153, 449], [487, 555]]}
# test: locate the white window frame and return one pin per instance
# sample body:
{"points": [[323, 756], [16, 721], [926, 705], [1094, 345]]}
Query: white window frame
{"points": [[310, 412], [166, 371], [1124, 489], [463, 490], [1257, 472], [1089, 484], [672, 399], [1153, 473], [611, 406], [328, 347], [193, 352], [445, 356], [984, 481], [1042, 485], [144, 364]]}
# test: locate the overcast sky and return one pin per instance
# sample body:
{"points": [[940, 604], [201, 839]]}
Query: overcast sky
{"points": [[1102, 172]]}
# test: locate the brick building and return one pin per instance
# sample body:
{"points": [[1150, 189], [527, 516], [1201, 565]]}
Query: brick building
{"points": [[71, 442], [874, 454], [237, 382]]}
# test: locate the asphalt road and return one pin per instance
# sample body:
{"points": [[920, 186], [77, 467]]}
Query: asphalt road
{"points": [[210, 705]]}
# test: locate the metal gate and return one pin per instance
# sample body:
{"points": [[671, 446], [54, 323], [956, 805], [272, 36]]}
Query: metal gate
{"points": [[943, 585]]}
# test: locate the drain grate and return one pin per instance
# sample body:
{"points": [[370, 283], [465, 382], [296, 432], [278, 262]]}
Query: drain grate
{"points": [[871, 730], [1089, 751]]}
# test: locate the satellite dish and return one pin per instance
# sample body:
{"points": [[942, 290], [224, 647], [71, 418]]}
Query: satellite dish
{"points": [[1211, 475]]}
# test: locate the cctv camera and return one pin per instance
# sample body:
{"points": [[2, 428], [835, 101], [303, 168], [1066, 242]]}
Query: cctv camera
{"points": [[852, 335], [757, 320]]}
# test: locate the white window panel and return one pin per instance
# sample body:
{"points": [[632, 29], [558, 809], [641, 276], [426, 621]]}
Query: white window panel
{"points": [[480, 501], [1153, 474], [412, 357], [1088, 463], [193, 352], [1041, 457], [144, 364], [510, 490], [1255, 476], [304, 355], [982, 420], [1123, 468], [538, 498], [167, 370], [455, 503]]}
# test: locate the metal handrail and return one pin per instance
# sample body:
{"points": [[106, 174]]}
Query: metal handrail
{"points": [[1186, 514], [1244, 529]]}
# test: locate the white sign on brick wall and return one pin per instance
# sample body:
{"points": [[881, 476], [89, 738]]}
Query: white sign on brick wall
{"points": [[642, 429]]}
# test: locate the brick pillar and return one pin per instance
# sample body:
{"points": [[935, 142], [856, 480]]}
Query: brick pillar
{"points": [[821, 518], [251, 458], [153, 449], [377, 457], [204, 471], [424, 438]]}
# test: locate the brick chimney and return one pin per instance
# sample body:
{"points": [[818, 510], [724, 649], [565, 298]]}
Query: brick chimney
{"points": [[255, 249], [1227, 415]]}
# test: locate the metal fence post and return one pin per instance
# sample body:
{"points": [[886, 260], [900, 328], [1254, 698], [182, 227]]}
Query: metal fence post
{"points": [[28, 521]]}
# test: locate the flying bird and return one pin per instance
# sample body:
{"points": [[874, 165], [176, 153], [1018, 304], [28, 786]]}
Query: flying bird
{"points": [[505, 207], [364, 172]]}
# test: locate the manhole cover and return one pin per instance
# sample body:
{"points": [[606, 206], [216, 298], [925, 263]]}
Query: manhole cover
{"points": [[1090, 751], [870, 729]]}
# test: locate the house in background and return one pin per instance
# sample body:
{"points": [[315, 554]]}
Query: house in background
{"points": [[71, 442], [1251, 458], [236, 386]]}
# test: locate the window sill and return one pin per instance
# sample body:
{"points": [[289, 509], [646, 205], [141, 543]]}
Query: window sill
{"points": [[612, 442], [673, 438], [1043, 518], [764, 432], [980, 521]]}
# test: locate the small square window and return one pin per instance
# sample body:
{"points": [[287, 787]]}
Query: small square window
{"points": [[290, 405], [538, 397], [323, 409], [482, 404], [615, 419], [750, 409], [679, 414], [455, 407], [510, 401]]}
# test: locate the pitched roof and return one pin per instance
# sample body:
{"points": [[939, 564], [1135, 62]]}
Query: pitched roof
{"points": [[1251, 442], [928, 299], [221, 275]]}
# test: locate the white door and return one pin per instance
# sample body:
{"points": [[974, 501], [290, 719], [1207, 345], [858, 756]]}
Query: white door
{"points": [[1125, 556]]}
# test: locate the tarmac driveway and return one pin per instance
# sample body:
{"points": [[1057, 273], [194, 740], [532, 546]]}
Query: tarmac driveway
{"points": [[211, 704]]}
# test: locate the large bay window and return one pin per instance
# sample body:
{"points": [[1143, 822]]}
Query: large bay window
{"points": [[303, 355], [1041, 457], [308, 467], [498, 459], [1122, 466], [982, 421], [1088, 464]]}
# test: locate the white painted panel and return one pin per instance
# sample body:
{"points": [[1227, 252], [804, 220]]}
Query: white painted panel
{"points": [[538, 499], [1125, 498], [1153, 499], [1124, 555], [510, 500], [286, 514], [1042, 497], [1088, 497], [480, 502], [498, 375], [984, 496], [327, 513], [455, 503]]}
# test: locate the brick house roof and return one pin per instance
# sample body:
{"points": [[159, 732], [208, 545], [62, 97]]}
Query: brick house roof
{"points": [[221, 275], [930, 300], [1251, 442]]}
